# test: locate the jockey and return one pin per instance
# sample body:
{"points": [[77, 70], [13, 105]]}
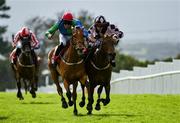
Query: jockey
{"points": [[102, 27], [24, 33], [64, 25]]}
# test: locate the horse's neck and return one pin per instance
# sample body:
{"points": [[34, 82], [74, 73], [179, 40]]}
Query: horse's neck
{"points": [[71, 55], [100, 59], [25, 60]]}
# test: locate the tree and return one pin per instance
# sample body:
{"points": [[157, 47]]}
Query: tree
{"points": [[4, 45], [86, 18]]}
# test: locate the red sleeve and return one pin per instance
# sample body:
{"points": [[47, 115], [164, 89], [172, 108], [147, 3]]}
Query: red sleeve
{"points": [[34, 40]]}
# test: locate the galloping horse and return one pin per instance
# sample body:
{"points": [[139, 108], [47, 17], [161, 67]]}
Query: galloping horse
{"points": [[25, 69], [71, 68], [99, 69]]}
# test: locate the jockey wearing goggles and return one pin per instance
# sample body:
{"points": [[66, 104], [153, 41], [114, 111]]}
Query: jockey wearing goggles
{"points": [[24, 34], [102, 27], [64, 26]]}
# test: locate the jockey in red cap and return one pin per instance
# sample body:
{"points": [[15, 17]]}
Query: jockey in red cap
{"points": [[24, 33], [64, 25]]}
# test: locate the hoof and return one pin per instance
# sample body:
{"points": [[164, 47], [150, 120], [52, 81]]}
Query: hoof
{"points": [[70, 103], [19, 95], [105, 101], [75, 112], [81, 104], [89, 113], [64, 104], [98, 107], [33, 93], [89, 107]]}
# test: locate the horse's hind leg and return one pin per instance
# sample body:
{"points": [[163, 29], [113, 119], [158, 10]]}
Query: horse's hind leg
{"points": [[19, 94], [107, 90], [75, 97], [99, 91]]}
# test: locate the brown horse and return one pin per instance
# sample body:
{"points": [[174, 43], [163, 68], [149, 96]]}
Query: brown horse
{"points": [[71, 68], [25, 69], [99, 69]]}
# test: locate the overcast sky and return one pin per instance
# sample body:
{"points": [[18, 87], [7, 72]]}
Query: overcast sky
{"points": [[134, 17]]}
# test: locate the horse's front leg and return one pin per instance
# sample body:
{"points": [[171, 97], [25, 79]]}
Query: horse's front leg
{"points": [[19, 94], [90, 98], [107, 90], [99, 91], [75, 97], [68, 93], [32, 91], [82, 103]]}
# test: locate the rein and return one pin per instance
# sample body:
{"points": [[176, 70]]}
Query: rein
{"points": [[97, 68], [25, 65], [71, 63]]}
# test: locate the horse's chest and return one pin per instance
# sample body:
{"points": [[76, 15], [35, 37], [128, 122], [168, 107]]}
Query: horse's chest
{"points": [[100, 77], [73, 73]]}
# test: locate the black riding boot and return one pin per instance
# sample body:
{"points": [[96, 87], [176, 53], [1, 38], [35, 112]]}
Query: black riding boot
{"points": [[56, 56]]}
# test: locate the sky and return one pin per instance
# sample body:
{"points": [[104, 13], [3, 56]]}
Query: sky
{"points": [[138, 19]]}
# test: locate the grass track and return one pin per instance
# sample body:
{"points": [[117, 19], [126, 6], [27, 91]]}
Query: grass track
{"points": [[46, 108]]}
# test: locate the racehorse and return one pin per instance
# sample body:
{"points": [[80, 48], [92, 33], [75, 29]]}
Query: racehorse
{"points": [[99, 69], [71, 68], [25, 69]]}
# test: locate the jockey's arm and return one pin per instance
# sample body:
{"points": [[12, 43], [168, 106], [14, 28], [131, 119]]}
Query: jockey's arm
{"points": [[35, 41], [77, 23], [117, 33], [52, 30]]}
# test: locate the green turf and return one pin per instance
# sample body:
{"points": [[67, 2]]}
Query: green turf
{"points": [[46, 108]]}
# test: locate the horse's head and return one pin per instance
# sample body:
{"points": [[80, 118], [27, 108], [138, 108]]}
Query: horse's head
{"points": [[108, 47], [25, 46], [78, 40]]}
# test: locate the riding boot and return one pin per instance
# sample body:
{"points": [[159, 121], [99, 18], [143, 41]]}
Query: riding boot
{"points": [[15, 54], [56, 55]]}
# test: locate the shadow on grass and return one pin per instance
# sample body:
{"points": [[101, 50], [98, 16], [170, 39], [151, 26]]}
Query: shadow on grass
{"points": [[38, 103], [110, 115], [3, 118]]}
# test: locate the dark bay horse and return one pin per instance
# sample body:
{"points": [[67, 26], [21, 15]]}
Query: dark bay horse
{"points": [[71, 68], [25, 69], [99, 69]]}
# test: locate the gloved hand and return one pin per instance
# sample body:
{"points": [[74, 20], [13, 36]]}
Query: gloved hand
{"points": [[48, 35], [115, 37], [37, 47]]}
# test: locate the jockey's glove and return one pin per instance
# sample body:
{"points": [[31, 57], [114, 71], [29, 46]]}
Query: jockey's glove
{"points": [[115, 37], [48, 35]]}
